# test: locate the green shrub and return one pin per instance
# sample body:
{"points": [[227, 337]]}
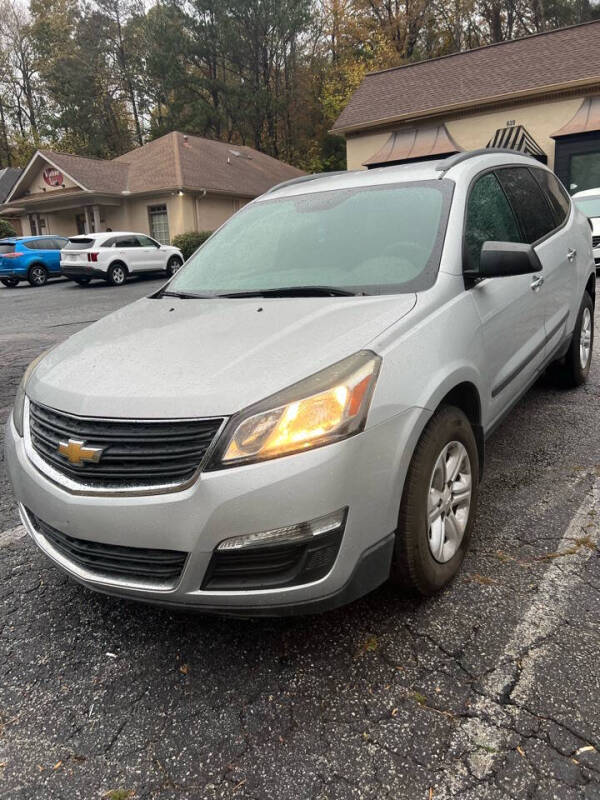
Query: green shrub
{"points": [[190, 241], [6, 229]]}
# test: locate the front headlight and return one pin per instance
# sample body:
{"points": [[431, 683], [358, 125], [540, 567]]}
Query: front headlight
{"points": [[19, 406], [329, 406]]}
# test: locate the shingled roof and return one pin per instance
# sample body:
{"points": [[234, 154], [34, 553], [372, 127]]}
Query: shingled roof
{"points": [[538, 64], [176, 161]]}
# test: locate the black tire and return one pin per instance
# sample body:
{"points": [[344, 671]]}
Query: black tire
{"points": [[81, 281], [414, 567], [37, 275], [575, 372], [10, 282], [116, 275], [173, 265]]}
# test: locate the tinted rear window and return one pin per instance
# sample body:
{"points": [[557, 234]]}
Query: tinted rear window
{"points": [[6, 248], [557, 196], [528, 201], [78, 244]]}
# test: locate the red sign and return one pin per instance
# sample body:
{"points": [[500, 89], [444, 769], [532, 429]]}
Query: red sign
{"points": [[52, 176]]}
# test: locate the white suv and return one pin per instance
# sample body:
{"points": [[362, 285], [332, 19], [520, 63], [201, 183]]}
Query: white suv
{"points": [[115, 255]]}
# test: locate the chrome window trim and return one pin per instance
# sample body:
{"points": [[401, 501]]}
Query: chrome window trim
{"points": [[74, 487]]}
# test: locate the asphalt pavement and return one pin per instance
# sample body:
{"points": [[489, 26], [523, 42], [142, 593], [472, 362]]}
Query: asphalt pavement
{"points": [[489, 691]]}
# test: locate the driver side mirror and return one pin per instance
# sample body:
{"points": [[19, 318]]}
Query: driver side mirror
{"points": [[502, 259]]}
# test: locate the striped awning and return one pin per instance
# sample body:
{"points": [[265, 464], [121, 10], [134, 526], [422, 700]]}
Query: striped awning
{"points": [[516, 137]]}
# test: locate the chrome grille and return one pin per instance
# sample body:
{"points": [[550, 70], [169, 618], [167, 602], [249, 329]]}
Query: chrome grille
{"points": [[143, 564], [144, 453]]}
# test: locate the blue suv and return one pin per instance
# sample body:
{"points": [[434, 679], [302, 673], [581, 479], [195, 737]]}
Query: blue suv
{"points": [[30, 258]]}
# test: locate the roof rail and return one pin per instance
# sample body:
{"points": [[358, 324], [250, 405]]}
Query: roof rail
{"points": [[458, 158], [303, 179]]}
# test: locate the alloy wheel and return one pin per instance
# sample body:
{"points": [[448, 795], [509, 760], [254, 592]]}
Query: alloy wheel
{"points": [[585, 338], [449, 501], [38, 276]]}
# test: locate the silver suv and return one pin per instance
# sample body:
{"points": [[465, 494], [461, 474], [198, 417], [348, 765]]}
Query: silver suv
{"points": [[301, 412]]}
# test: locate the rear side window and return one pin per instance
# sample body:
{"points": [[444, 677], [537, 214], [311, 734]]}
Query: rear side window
{"points": [[79, 244], [58, 243], [6, 248], [32, 245], [528, 201], [129, 241], [45, 244], [556, 195], [489, 218]]}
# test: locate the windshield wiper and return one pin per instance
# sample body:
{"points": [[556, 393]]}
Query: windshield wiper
{"points": [[296, 291], [184, 295]]}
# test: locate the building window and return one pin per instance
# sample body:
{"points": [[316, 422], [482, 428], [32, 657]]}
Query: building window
{"points": [[577, 161], [585, 171], [159, 223]]}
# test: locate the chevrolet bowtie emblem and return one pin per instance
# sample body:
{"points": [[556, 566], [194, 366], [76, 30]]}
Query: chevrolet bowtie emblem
{"points": [[76, 451]]}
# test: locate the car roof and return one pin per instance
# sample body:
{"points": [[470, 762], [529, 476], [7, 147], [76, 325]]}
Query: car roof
{"points": [[107, 233], [15, 239], [587, 193], [460, 165]]}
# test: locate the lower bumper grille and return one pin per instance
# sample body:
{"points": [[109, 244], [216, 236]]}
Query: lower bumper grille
{"points": [[272, 567], [141, 564], [595, 241]]}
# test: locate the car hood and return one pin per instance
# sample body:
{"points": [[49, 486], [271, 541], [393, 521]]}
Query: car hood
{"points": [[173, 357]]}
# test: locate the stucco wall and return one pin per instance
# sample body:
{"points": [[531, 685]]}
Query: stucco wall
{"points": [[475, 130], [186, 212]]}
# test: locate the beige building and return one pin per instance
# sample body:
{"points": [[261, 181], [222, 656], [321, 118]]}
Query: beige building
{"points": [[540, 94], [172, 185]]}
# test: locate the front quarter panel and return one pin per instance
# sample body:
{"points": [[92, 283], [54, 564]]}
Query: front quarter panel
{"points": [[429, 352]]}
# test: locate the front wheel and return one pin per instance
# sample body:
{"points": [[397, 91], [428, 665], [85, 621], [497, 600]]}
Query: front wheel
{"points": [[116, 275], [579, 355], [438, 505], [10, 282], [173, 264], [38, 275]]}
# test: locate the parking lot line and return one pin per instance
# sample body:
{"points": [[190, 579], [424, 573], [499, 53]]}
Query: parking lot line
{"points": [[481, 738], [12, 535]]}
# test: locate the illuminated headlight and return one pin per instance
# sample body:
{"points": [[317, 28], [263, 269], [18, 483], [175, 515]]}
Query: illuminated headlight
{"points": [[324, 408], [291, 534], [19, 407]]}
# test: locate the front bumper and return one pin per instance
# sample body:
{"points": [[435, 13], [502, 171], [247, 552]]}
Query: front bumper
{"points": [[364, 474]]}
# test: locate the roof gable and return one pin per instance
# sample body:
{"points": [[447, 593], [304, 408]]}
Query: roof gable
{"points": [[535, 64]]}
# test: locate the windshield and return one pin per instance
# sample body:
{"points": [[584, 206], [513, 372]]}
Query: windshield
{"points": [[589, 205], [374, 239]]}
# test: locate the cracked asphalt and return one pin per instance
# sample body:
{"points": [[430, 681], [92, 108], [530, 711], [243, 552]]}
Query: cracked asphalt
{"points": [[489, 691]]}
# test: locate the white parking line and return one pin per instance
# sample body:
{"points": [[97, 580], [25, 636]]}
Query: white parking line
{"points": [[482, 739], [12, 535]]}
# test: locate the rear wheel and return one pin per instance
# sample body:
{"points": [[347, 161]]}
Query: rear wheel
{"points": [[438, 505], [116, 274], [38, 275], [10, 282], [173, 265], [579, 354]]}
